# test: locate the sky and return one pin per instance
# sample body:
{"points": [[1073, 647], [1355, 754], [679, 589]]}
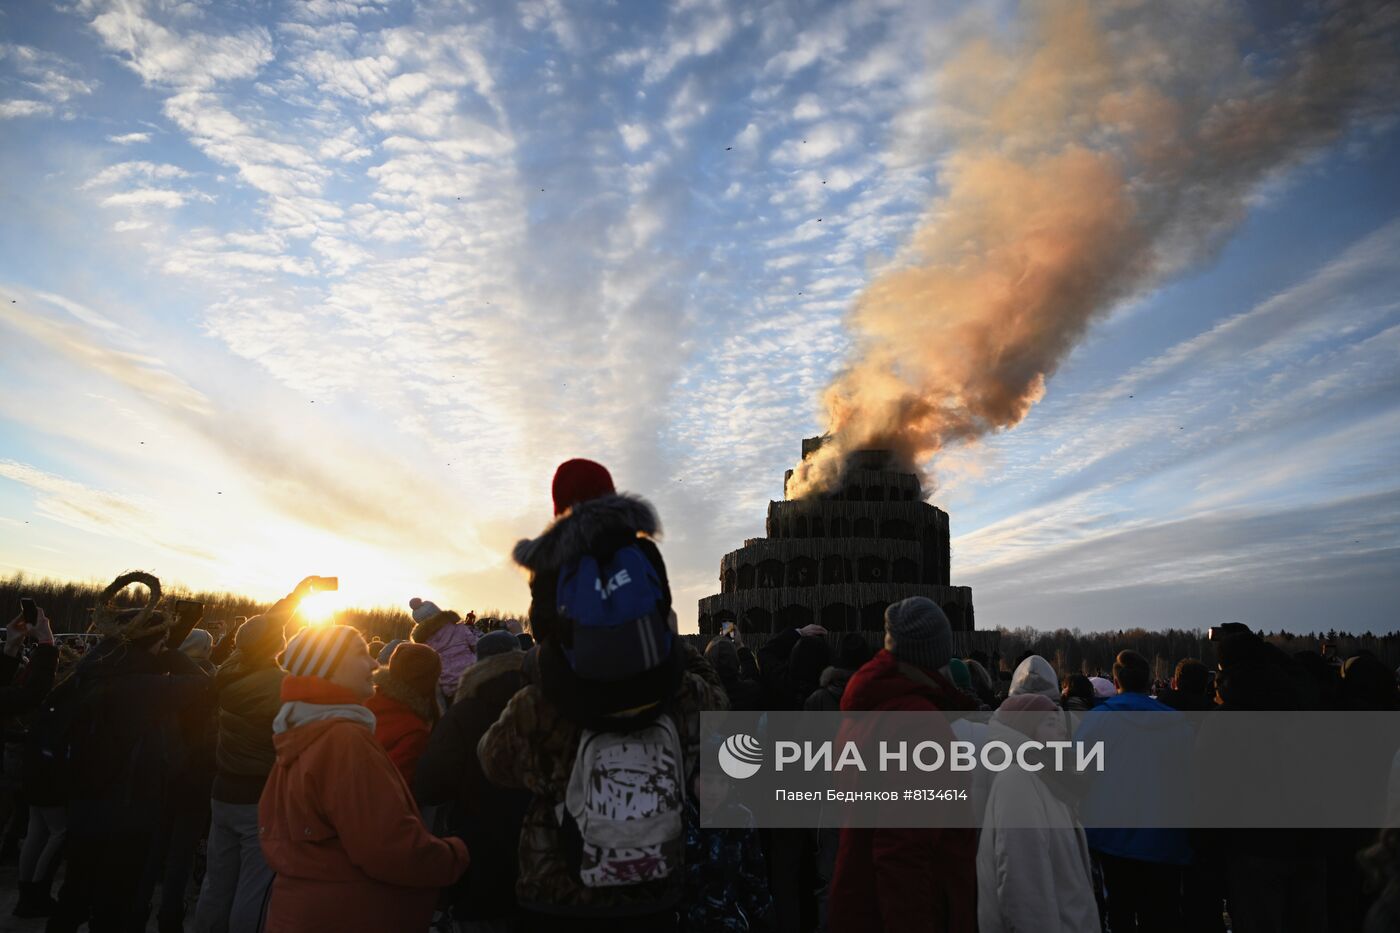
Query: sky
{"points": [[331, 287]]}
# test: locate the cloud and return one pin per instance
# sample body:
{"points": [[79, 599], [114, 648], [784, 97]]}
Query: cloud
{"points": [[145, 197], [634, 136], [817, 143], [129, 139], [180, 59], [12, 109], [48, 80], [125, 171]]}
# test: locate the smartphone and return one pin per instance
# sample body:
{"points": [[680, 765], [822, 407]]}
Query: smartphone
{"points": [[324, 584], [188, 612], [29, 610], [727, 629], [191, 609]]}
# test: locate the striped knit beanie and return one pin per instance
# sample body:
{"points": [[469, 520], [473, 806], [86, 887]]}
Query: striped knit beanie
{"points": [[317, 649]]}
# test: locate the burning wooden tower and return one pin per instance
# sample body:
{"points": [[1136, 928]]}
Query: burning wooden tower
{"points": [[840, 558]]}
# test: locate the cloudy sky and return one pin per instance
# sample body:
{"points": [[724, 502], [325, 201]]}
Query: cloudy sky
{"points": [[332, 286]]}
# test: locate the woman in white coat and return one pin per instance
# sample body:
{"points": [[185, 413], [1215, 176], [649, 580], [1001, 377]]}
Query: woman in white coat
{"points": [[1033, 869]]}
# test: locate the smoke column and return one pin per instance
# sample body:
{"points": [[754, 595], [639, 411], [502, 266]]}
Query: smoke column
{"points": [[1094, 152]]}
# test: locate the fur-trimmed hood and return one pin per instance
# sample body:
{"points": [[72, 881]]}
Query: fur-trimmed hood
{"points": [[835, 678], [573, 533], [486, 670], [429, 627]]}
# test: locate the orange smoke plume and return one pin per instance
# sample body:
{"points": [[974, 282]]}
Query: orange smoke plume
{"points": [[1100, 149]]}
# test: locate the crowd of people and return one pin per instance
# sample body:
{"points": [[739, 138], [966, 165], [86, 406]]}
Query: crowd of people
{"points": [[478, 777]]}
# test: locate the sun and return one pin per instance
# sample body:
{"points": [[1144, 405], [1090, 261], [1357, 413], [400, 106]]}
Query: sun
{"points": [[320, 608]]}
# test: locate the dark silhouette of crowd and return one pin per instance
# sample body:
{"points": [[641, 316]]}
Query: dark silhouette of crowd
{"points": [[291, 776]]}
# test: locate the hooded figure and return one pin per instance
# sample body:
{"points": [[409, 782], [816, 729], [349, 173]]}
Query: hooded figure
{"points": [[905, 879], [338, 824], [1033, 869], [1035, 675], [534, 743]]}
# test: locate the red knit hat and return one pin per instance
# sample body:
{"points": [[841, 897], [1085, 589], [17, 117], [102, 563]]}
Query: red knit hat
{"points": [[578, 481]]}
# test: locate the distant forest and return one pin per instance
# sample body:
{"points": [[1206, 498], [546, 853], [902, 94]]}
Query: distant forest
{"points": [[1068, 650], [1093, 652], [67, 606]]}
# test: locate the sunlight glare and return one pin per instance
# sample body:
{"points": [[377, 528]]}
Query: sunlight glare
{"points": [[320, 608]]}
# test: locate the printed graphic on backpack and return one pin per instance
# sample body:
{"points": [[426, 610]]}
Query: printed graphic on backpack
{"points": [[627, 796]]}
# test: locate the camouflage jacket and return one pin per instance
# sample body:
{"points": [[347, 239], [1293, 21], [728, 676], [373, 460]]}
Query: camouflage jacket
{"points": [[533, 745]]}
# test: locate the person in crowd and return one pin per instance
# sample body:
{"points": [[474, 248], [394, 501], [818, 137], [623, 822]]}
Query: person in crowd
{"points": [[981, 681], [791, 664], [249, 687], [1203, 881], [744, 693], [405, 704], [385, 653], [1381, 863], [1142, 867], [226, 640], [185, 814], [449, 776], [1033, 674], [113, 730], [1103, 689], [43, 842], [376, 645], [453, 639], [790, 667], [855, 651], [198, 646], [961, 676], [1033, 867], [1367, 685], [535, 744], [1277, 879], [339, 827], [38, 673], [1190, 688], [1325, 681], [726, 878], [906, 879], [1076, 693]]}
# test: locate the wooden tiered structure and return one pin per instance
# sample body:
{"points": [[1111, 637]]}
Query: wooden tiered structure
{"points": [[840, 558]]}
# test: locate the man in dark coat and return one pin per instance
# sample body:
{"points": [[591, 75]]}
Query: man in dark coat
{"points": [[449, 775], [126, 697]]}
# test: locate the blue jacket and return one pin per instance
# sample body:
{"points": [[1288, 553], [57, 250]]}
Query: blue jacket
{"points": [[1140, 751]]}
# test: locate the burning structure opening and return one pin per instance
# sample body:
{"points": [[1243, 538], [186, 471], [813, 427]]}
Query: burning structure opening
{"points": [[839, 558]]}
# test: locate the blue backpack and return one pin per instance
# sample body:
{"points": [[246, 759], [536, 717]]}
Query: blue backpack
{"points": [[619, 612]]}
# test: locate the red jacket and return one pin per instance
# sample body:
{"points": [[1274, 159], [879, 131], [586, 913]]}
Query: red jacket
{"points": [[904, 880], [402, 732], [340, 829]]}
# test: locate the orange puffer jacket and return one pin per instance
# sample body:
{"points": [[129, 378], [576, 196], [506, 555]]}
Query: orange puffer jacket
{"points": [[340, 829], [401, 730]]}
